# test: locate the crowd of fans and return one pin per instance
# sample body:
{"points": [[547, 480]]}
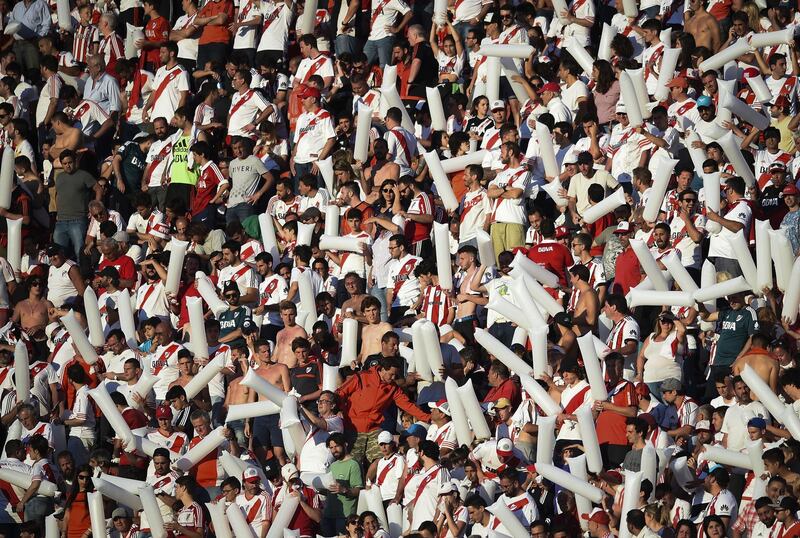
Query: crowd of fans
{"points": [[199, 365]]}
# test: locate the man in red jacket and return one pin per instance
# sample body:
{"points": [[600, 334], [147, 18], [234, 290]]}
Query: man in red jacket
{"points": [[365, 397]]}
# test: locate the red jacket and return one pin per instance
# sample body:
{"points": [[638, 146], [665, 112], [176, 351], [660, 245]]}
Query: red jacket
{"points": [[365, 397], [506, 389]]}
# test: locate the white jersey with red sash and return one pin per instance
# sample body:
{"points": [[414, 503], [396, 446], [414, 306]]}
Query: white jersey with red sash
{"points": [[436, 305], [176, 441], [491, 138], [321, 65], [169, 85], [312, 132], [245, 109], [444, 436], [249, 251], [572, 398], [404, 283], [402, 148], [244, 276], [257, 510], [524, 508], [164, 365], [787, 87], [11, 495], [652, 62], [389, 472], [151, 300], [427, 494], [371, 99], [272, 291]]}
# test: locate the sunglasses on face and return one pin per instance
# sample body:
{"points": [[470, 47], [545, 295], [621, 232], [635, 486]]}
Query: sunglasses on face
{"points": [[83, 477]]}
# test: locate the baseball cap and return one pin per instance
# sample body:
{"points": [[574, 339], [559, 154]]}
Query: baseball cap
{"points": [[671, 384], [757, 422], [780, 101], [563, 318], [498, 104], [502, 403], [289, 471], [164, 411], [140, 135], [791, 190], [666, 316], [305, 91], [612, 477], [620, 108], [788, 503], [230, 286], [271, 469], [121, 512], [597, 515], [704, 101], [446, 488], [562, 232], [442, 406], [505, 447], [570, 158], [250, 475], [416, 430], [777, 165], [678, 82], [623, 227], [121, 236], [384, 438], [702, 426], [551, 87]]}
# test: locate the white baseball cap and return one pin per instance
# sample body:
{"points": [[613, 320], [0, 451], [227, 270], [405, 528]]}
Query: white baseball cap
{"points": [[385, 438], [289, 471]]}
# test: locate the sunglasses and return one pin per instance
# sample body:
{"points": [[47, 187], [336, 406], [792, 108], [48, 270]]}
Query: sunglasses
{"points": [[83, 477], [386, 190]]}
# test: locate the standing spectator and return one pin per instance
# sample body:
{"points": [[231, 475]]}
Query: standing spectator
{"points": [[214, 17], [343, 494], [34, 18], [250, 181], [73, 188]]}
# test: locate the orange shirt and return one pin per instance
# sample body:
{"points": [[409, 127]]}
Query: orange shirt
{"points": [[365, 398], [79, 520], [457, 182], [216, 33]]}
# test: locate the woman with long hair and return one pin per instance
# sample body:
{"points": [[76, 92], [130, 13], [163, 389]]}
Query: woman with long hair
{"points": [[656, 517], [661, 355], [605, 92], [479, 118], [76, 510], [451, 514]]}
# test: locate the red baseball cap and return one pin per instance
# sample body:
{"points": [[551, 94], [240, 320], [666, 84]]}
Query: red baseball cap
{"points": [[678, 82], [164, 411], [551, 87], [505, 447], [791, 190], [597, 516], [305, 91], [250, 475]]}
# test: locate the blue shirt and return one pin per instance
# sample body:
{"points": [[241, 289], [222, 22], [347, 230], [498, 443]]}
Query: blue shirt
{"points": [[792, 223], [104, 91], [34, 18]]}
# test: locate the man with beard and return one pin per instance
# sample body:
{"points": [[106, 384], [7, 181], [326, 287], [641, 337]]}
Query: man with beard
{"points": [[506, 191], [771, 198], [151, 297], [271, 291], [154, 179]]}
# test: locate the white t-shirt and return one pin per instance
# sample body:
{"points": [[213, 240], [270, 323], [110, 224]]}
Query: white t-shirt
{"points": [[313, 131], [274, 26], [187, 48], [472, 211], [720, 244], [315, 456], [511, 210]]}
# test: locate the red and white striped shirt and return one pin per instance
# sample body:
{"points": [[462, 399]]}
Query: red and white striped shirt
{"points": [[112, 48], [257, 509], [436, 305], [85, 37]]}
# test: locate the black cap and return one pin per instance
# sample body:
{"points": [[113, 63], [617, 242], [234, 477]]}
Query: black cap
{"points": [[249, 327], [563, 318], [272, 469], [230, 286], [55, 250]]}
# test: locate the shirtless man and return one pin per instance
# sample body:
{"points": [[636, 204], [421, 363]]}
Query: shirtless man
{"points": [[265, 430], [352, 307], [290, 331], [67, 137], [373, 331], [32, 313], [239, 394], [702, 25], [761, 360], [382, 170], [587, 305], [467, 301]]}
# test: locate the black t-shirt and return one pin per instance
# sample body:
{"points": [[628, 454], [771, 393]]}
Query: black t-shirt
{"points": [[428, 75], [772, 205], [306, 379]]}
